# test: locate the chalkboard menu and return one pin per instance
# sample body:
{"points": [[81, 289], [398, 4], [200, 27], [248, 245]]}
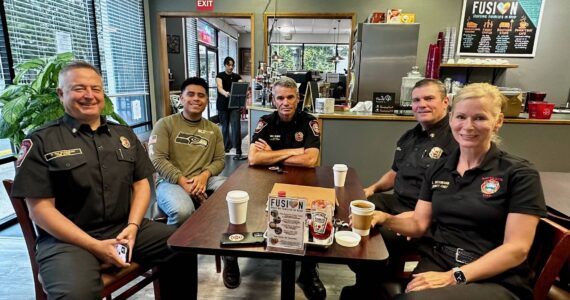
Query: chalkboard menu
{"points": [[500, 28]]}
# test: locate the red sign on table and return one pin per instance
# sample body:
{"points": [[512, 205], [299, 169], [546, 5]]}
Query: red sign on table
{"points": [[203, 5]]}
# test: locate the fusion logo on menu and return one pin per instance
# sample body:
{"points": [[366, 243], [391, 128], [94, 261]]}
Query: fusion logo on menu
{"points": [[493, 7]]}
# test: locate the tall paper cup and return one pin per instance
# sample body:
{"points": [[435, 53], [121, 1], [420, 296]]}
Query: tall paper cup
{"points": [[361, 211], [237, 206], [339, 171]]}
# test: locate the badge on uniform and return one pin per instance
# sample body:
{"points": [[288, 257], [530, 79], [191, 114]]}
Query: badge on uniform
{"points": [[125, 142], [435, 153], [25, 148], [490, 186], [315, 127], [260, 125], [299, 136]]}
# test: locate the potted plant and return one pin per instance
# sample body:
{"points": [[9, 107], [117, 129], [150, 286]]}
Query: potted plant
{"points": [[29, 104]]}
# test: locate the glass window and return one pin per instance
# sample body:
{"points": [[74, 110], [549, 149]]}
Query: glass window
{"points": [[6, 169], [343, 64], [192, 47], [316, 57], [41, 29], [122, 46], [291, 56], [206, 33]]}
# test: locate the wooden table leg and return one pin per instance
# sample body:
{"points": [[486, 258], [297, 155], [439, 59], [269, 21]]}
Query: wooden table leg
{"points": [[287, 279]]}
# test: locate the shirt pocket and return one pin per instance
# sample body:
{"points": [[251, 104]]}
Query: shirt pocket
{"points": [[126, 155], [66, 163]]}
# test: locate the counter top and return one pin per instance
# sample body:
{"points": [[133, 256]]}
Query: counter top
{"points": [[557, 119]]}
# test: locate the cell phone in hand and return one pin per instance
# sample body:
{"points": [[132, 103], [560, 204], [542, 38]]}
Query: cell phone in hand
{"points": [[123, 252]]}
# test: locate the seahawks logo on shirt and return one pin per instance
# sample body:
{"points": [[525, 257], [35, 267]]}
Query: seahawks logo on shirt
{"points": [[190, 139]]}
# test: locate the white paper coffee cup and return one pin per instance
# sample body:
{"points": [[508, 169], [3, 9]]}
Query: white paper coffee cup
{"points": [[237, 206], [339, 171], [362, 212]]}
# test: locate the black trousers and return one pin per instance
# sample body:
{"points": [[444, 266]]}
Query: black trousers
{"points": [[494, 288], [231, 128], [224, 116], [71, 272]]}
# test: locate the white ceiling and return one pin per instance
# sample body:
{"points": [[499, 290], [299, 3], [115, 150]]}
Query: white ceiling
{"points": [[296, 26]]}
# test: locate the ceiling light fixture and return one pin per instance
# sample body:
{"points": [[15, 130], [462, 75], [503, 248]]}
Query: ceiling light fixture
{"points": [[336, 58]]}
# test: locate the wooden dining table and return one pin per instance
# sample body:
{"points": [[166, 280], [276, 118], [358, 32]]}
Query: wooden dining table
{"points": [[202, 232]]}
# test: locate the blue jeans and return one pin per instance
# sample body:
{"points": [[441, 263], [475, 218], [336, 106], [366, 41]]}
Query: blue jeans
{"points": [[175, 202]]}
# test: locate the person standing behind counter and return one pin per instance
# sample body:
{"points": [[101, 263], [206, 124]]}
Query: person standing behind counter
{"points": [[289, 137], [85, 184], [416, 150], [479, 199], [229, 117]]}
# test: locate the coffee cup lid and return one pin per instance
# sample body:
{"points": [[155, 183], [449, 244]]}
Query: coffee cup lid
{"points": [[362, 210], [237, 196], [340, 167], [347, 238]]}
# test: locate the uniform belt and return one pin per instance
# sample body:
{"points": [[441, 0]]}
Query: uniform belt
{"points": [[461, 255]]}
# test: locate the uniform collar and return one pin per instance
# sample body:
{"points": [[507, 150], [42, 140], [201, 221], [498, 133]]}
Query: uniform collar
{"points": [[434, 130], [489, 161], [278, 119], [75, 126]]}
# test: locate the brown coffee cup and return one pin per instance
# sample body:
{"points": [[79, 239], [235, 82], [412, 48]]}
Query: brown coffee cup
{"points": [[362, 212]]}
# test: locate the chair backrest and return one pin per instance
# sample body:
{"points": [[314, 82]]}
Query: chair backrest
{"points": [[30, 234], [549, 253]]}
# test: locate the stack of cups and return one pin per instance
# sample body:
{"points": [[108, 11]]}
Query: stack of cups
{"points": [[237, 206], [339, 174], [362, 212]]}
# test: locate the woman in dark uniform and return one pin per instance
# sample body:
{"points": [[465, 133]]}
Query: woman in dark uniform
{"points": [[485, 205]]}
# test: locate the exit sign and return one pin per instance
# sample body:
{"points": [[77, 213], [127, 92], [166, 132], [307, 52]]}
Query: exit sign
{"points": [[205, 5]]}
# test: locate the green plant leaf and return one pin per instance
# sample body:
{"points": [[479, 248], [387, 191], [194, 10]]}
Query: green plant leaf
{"points": [[23, 68], [12, 91], [12, 111]]}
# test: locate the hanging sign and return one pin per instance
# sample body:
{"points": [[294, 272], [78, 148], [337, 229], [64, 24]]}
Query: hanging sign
{"points": [[205, 5], [500, 28]]}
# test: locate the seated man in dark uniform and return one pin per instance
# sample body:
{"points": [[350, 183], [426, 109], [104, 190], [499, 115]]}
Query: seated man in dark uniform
{"points": [[289, 137], [85, 184], [419, 148]]}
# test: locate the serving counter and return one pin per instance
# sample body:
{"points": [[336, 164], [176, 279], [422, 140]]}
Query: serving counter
{"points": [[366, 141]]}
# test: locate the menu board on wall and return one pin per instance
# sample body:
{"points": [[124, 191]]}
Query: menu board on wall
{"points": [[500, 28]]}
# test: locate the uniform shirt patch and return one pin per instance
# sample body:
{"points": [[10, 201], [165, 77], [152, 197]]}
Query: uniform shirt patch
{"points": [[439, 184], [260, 125], [190, 139], [274, 137], [62, 153], [152, 139], [25, 148], [299, 136], [125, 142], [490, 185], [314, 124], [435, 153]]}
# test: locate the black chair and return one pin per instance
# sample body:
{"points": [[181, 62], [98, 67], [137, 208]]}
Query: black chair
{"points": [[113, 280]]}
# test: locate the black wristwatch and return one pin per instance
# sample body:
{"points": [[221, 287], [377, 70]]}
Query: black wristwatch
{"points": [[459, 276]]}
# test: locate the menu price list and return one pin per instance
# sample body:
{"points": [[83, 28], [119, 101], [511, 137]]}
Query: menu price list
{"points": [[497, 28]]}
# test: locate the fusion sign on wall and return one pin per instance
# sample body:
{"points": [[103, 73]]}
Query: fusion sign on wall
{"points": [[205, 5], [500, 28]]}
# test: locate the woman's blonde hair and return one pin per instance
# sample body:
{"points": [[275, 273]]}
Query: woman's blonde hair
{"points": [[486, 91]]}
